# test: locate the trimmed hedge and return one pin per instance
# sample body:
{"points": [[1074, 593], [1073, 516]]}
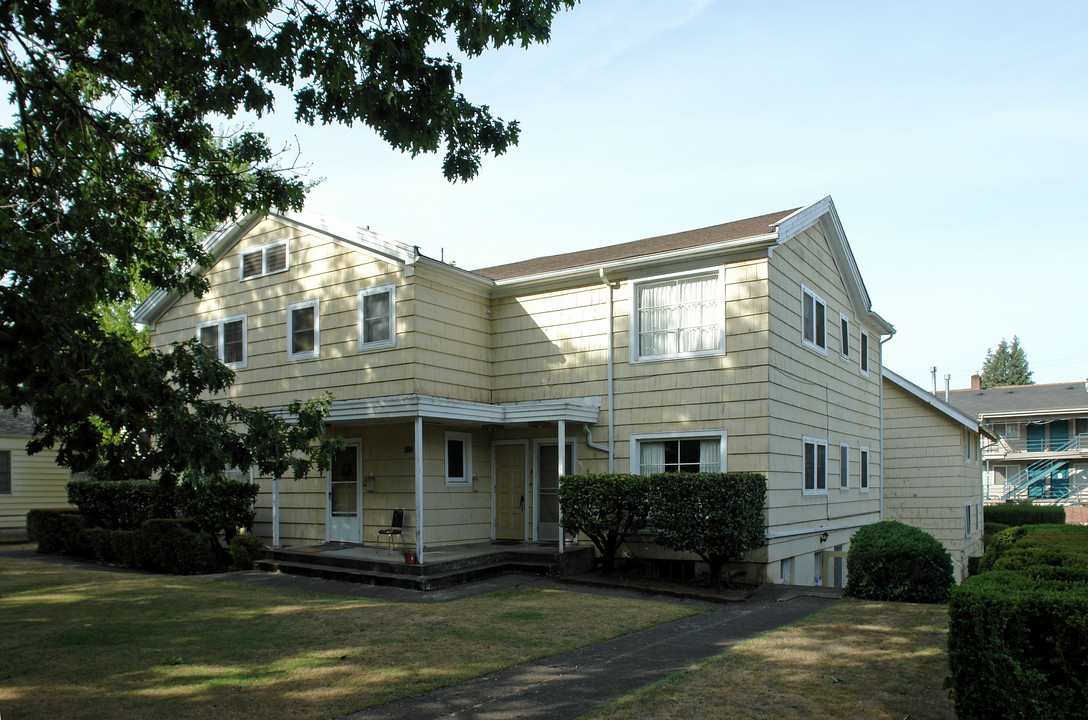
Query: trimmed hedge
{"points": [[56, 531], [1018, 632], [120, 504], [717, 516], [890, 560], [608, 509], [244, 551], [1014, 514]]}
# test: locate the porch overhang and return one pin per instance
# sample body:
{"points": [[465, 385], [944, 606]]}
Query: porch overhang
{"points": [[448, 410]]}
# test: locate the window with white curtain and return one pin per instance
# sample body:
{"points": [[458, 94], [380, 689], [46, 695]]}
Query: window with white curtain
{"points": [[689, 452], [680, 316]]}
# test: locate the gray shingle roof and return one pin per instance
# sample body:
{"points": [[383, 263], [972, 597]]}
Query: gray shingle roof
{"points": [[23, 424], [750, 227], [1036, 399]]}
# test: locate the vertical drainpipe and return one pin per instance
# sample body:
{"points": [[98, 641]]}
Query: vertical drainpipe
{"points": [[880, 366], [562, 470], [419, 487], [610, 360], [275, 511]]}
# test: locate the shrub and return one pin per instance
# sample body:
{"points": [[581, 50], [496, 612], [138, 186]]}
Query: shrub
{"points": [[890, 560], [608, 509], [120, 504], [244, 551], [220, 506], [717, 516], [129, 549], [1016, 645], [990, 529], [1034, 536], [95, 544], [1014, 514], [171, 546], [56, 531]]}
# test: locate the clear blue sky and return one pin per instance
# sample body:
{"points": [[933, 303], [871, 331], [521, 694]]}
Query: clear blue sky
{"points": [[952, 137]]}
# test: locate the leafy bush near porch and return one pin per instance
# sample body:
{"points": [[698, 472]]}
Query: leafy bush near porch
{"points": [[244, 551], [606, 508], [717, 516], [1015, 514], [890, 560], [120, 504], [1018, 633]]}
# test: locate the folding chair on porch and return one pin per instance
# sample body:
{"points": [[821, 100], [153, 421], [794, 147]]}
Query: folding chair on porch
{"points": [[396, 527]]}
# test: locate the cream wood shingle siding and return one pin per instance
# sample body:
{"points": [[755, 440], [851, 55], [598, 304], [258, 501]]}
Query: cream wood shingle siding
{"points": [[817, 395], [36, 482], [927, 480]]}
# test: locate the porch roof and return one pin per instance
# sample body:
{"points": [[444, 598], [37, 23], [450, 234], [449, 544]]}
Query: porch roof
{"points": [[430, 407]]}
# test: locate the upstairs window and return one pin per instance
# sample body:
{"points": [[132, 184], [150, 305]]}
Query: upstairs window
{"points": [[303, 330], [680, 453], [813, 320], [844, 466], [377, 317], [814, 463], [844, 337], [864, 353], [5, 472], [679, 317], [226, 339], [865, 469], [264, 260]]}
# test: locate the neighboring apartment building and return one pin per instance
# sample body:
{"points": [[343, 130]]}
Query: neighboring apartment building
{"points": [[1042, 451], [932, 468], [26, 481], [748, 346]]}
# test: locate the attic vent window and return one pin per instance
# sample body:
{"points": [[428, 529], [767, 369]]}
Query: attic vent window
{"points": [[264, 260]]}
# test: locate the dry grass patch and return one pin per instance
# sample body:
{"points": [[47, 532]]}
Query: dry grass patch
{"points": [[857, 660], [82, 643]]}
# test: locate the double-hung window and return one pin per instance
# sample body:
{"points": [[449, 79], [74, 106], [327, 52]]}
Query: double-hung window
{"points": [[264, 260], [304, 330], [813, 320], [5, 472], [814, 463], [377, 317], [679, 316], [844, 337], [226, 339], [844, 466], [864, 469], [864, 351], [683, 452], [458, 458]]}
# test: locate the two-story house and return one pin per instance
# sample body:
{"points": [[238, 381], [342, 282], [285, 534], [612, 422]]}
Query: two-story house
{"points": [[465, 396], [1041, 454]]}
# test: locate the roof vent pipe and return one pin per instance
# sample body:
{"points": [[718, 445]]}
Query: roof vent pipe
{"points": [[947, 378], [933, 372]]}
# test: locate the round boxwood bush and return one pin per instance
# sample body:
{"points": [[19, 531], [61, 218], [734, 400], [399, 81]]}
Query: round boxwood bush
{"points": [[893, 561]]}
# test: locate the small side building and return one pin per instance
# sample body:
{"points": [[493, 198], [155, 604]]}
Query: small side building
{"points": [[26, 481], [932, 471]]}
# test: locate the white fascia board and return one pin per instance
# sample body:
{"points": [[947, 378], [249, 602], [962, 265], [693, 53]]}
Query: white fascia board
{"points": [[470, 280], [1032, 414], [627, 265], [962, 418], [392, 407], [357, 238], [578, 410]]}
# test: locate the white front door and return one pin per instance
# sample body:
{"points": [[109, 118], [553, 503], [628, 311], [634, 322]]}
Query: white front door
{"points": [[346, 494], [547, 489]]}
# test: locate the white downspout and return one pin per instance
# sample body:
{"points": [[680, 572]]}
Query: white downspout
{"points": [[611, 378], [419, 487], [275, 511], [881, 367]]}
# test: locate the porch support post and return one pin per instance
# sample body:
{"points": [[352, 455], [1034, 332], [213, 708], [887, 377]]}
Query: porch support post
{"points": [[559, 479], [418, 447], [275, 511]]}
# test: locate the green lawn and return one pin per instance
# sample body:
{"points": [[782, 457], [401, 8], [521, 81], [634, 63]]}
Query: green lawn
{"points": [[80, 643], [857, 660]]}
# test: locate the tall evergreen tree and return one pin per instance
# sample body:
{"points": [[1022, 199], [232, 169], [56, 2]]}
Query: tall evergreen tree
{"points": [[1007, 366]]}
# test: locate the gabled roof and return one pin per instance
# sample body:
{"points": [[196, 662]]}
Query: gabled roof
{"points": [[936, 403], [12, 424], [1019, 400], [766, 231], [221, 240]]}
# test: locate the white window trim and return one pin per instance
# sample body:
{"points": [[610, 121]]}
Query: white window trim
{"points": [[968, 520], [221, 323], [263, 249], [636, 454], [632, 317], [466, 443], [309, 354], [844, 473], [865, 473], [378, 344], [844, 337], [863, 353], [815, 299], [817, 490]]}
